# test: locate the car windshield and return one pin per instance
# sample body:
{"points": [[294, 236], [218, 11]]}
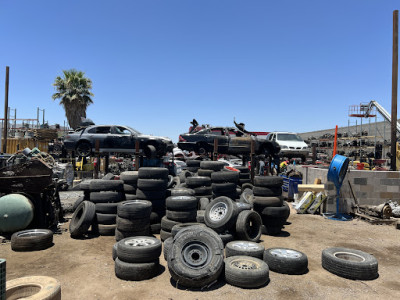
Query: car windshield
{"points": [[289, 137], [134, 131]]}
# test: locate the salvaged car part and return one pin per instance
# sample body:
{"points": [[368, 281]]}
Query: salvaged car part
{"points": [[286, 261], [32, 240], [246, 271], [34, 287], [350, 263]]}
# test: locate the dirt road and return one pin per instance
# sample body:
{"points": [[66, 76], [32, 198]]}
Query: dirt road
{"points": [[86, 270]]}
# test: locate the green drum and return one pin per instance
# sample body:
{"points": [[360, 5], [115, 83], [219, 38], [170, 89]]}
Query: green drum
{"points": [[16, 213]]}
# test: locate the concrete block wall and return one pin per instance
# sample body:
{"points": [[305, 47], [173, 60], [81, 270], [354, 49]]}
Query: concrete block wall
{"points": [[369, 187]]}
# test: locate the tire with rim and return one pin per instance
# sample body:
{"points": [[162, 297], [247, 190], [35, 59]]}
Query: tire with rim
{"points": [[248, 226], [268, 181], [33, 287], [139, 249], [245, 248], [83, 149], [350, 263], [134, 209], [220, 214], [153, 173], [32, 240], [196, 257], [136, 272], [246, 271], [286, 261], [82, 219]]}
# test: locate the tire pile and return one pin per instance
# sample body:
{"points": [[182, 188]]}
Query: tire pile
{"points": [[137, 258], [207, 167], [268, 202], [244, 175], [152, 186], [224, 183], [193, 165], [130, 179], [201, 186]]}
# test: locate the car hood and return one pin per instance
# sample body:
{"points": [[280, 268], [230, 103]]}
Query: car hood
{"points": [[292, 144]]}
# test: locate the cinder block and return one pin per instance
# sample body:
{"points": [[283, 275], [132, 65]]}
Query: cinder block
{"points": [[386, 195], [366, 188], [392, 188], [390, 181], [360, 181], [393, 175]]}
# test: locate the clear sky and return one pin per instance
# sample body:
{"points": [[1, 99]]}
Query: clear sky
{"points": [[156, 65]]}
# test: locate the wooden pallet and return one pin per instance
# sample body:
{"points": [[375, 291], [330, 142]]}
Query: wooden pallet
{"points": [[377, 221]]}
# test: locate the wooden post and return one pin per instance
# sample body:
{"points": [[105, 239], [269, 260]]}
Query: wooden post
{"points": [[395, 62], [215, 154], [252, 158], [97, 154], [5, 131], [314, 154], [137, 155]]}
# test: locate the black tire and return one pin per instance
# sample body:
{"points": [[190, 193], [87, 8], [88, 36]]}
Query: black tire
{"points": [[205, 172], [119, 235], [130, 189], [212, 165], [268, 181], [108, 176], [350, 263], [244, 181], [83, 149], [192, 169], [287, 210], [106, 208], [246, 272], [243, 206], [203, 202], [203, 190], [182, 216], [226, 237], [226, 188], [275, 212], [171, 181], [106, 230], [220, 214], [77, 202], [139, 249], [130, 197], [167, 245], [114, 251], [134, 209], [248, 226], [128, 225], [98, 185], [153, 173], [246, 196], [136, 272], [243, 169], [267, 191], [244, 175], [152, 184], [155, 228], [82, 219], [200, 216], [164, 235], [150, 151], [183, 175], [267, 201], [150, 195], [245, 248], [155, 216], [85, 185], [158, 204], [32, 240], [129, 177], [167, 224], [106, 219], [196, 257], [182, 192], [105, 197], [193, 163], [179, 227], [181, 203], [232, 196], [225, 176], [196, 181], [286, 261], [247, 186]]}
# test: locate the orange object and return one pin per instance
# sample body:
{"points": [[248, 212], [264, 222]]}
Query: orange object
{"points": [[335, 142], [360, 166]]}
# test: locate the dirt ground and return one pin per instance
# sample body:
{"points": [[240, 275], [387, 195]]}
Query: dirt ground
{"points": [[86, 270]]}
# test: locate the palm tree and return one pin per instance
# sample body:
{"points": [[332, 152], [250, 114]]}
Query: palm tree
{"points": [[73, 90]]}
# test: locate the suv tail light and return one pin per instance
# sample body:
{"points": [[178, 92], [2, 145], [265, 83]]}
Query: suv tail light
{"points": [[181, 139]]}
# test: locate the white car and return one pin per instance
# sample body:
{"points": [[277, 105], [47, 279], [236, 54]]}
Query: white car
{"points": [[291, 144]]}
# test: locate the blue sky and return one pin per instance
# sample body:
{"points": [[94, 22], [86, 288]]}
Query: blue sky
{"points": [[156, 65]]}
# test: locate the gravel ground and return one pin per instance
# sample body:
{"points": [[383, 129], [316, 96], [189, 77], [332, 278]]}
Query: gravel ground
{"points": [[86, 270]]}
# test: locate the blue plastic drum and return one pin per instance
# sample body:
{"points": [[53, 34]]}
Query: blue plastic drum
{"points": [[337, 169]]}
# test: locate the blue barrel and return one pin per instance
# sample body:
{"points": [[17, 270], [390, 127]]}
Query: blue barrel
{"points": [[16, 213], [337, 169]]}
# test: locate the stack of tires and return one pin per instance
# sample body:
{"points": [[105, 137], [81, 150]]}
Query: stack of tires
{"points": [[180, 209], [201, 186], [106, 194], [244, 175], [192, 165], [152, 186], [130, 179], [133, 219], [137, 258], [268, 202], [207, 167], [224, 183]]}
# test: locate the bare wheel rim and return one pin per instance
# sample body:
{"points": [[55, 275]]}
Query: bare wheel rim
{"points": [[218, 211], [32, 233], [245, 245], [349, 256], [285, 253], [244, 264], [195, 254], [139, 242]]}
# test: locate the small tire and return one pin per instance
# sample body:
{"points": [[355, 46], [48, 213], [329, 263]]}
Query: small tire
{"points": [[153, 173], [136, 272], [167, 245], [150, 195], [106, 197], [134, 209], [182, 216], [26, 288], [182, 192], [152, 184], [164, 235], [99, 185], [267, 191], [246, 271], [220, 214], [139, 249], [106, 230], [286, 261], [245, 248], [82, 219], [32, 240], [268, 181], [181, 203], [248, 226]]}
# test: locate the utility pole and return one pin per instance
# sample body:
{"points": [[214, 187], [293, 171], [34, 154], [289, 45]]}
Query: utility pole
{"points": [[395, 61], [6, 112]]}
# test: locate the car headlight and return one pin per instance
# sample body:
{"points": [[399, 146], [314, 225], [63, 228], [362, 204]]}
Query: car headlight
{"points": [[284, 147], [305, 147]]}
